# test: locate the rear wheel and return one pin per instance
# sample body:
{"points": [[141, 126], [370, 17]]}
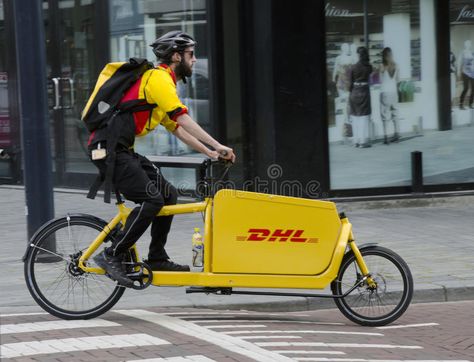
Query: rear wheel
{"points": [[53, 277], [379, 305]]}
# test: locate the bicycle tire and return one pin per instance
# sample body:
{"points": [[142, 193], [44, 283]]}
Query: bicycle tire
{"points": [[41, 261], [402, 297]]}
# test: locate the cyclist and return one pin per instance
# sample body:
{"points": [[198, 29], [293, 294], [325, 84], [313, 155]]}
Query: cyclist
{"points": [[135, 176]]}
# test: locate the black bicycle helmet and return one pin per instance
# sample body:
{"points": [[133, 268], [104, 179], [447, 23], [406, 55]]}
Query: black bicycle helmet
{"points": [[171, 42]]}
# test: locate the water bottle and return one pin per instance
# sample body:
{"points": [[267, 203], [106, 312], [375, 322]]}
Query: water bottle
{"points": [[198, 248]]}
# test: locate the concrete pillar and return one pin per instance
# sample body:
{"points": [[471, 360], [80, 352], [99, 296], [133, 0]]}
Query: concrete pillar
{"points": [[429, 88]]}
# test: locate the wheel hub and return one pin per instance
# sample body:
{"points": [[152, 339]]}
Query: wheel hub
{"points": [[371, 292], [73, 266]]}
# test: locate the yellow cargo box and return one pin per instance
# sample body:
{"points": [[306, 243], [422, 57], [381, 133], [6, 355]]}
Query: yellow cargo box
{"points": [[269, 234]]}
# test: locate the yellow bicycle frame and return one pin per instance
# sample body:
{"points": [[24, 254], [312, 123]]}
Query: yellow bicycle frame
{"points": [[122, 215], [209, 279]]}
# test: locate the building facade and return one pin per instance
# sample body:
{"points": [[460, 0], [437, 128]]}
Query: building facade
{"points": [[276, 82]]}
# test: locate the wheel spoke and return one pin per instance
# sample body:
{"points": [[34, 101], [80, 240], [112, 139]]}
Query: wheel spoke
{"points": [[50, 252], [57, 281]]}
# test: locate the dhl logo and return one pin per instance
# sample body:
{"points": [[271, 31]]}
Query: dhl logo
{"points": [[280, 235]]}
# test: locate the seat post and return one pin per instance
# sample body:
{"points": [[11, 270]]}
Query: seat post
{"points": [[118, 197]]}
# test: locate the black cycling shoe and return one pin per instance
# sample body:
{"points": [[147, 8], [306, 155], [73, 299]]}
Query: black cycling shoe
{"points": [[167, 265], [113, 266]]}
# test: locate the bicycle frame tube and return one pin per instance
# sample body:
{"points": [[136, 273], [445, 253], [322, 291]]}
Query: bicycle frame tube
{"points": [[122, 215], [96, 243], [183, 208]]}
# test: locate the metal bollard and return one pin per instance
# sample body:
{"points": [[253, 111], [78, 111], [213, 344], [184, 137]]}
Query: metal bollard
{"points": [[417, 172]]}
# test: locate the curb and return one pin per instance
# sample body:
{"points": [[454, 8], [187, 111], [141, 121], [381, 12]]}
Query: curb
{"points": [[387, 203], [435, 295]]}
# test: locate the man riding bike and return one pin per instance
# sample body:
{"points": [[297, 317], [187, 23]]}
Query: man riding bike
{"points": [[135, 176]]}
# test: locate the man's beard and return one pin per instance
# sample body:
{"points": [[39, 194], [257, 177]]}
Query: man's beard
{"points": [[183, 70]]}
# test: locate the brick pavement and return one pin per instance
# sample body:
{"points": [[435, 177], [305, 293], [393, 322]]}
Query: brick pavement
{"points": [[430, 332], [436, 239]]}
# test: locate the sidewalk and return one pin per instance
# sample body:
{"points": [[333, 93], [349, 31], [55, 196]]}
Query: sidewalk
{"points": [[434, 236]]}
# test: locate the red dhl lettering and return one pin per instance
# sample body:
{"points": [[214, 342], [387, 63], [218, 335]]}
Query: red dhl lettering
{"points": [[277, 235]]}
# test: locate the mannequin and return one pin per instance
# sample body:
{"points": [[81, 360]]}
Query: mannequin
{"points": [[341, 68], [466, 73]]}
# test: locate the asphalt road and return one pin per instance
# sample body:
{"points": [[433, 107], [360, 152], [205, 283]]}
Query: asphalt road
{"points": [[426, 332]]}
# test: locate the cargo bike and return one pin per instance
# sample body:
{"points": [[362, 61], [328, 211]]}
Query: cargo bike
{"points": [[253, 242]]}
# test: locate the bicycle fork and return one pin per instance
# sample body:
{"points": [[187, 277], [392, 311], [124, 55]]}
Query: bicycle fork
{"points": [[361, 262]]}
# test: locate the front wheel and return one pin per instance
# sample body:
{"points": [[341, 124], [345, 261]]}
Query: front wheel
{"points": [[52, 274], [374, 305]]}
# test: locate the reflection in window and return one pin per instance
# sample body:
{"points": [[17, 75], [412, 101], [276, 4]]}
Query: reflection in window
{"points": [[6, 141], [380, 113]]}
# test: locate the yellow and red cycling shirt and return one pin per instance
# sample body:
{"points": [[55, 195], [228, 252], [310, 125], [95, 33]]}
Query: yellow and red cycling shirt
{"points": [[156, 86]]}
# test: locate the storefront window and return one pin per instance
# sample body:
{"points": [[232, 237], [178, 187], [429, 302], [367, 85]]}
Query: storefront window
{"points": [[382, 96], [4, 118], [6, 130], [462, 62], [136, 24]]}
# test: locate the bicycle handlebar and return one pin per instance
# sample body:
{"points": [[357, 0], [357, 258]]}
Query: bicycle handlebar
{"points": [[207, 174]]}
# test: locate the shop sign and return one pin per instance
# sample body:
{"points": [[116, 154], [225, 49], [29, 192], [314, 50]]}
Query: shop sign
{"points": [[331, 10], [466, 14]]}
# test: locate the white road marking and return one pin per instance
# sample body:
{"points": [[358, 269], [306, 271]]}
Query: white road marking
{"points": [[410, 326], [229, 343], [236, 326], [194, 358], [289, 313], [12, 350], [269, 337], [309, 352], [341, 345], [204, 313], [328, 359], [21, 314], [234, 313], [225, 320], [54, 325], [308, 331], [323, 323], [369, 360], [191, 319]]}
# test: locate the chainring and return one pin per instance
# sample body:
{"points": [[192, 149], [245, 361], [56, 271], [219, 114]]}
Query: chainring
{"points": [[141, 274]]}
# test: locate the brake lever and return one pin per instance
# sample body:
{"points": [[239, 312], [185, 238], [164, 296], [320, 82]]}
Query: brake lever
{"points": [[226, 163]]}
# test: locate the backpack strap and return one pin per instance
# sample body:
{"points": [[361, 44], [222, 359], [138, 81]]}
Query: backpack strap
{"points": [[114, 126], [106, 178], [95, 186]]}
